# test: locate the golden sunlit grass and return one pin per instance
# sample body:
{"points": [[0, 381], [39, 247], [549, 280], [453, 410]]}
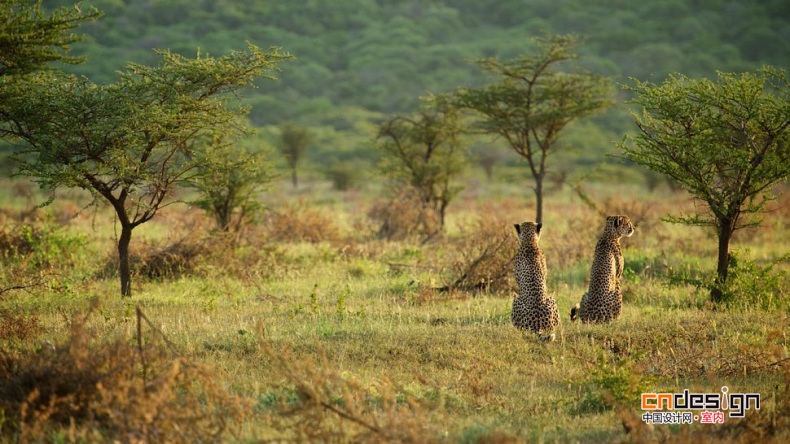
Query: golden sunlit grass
{"points": [[346, 337]]}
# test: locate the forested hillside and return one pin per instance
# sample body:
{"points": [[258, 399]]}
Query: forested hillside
{"points": [[356, 58]]}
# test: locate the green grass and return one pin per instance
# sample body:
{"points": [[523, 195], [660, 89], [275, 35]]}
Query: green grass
{"points": [[356, 323]]}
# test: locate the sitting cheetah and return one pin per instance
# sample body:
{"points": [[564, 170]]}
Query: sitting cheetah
{"points": [[533, 309], [603, 301]]}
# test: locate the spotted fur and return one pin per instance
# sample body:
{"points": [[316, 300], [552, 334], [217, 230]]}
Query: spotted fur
{"points": [[604, 299], [533, 309]]}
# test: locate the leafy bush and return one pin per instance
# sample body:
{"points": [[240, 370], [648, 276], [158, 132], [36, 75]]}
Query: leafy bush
{"points": [[748, 285], [39, 246], [610, 385], [751, 285]]}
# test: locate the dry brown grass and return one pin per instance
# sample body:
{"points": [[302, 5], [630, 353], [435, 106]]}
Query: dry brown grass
{"points": [[90, 389], [17, 326]]}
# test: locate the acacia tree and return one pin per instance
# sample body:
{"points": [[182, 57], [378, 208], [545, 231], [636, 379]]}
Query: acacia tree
{"points": [[29, 38], [532, 102], [129, 142], [727, 142], [293, 144], [424, 151]]}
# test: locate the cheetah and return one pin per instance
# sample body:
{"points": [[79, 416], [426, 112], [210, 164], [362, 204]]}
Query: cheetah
{"points": [[604, 299], [533, 308]]}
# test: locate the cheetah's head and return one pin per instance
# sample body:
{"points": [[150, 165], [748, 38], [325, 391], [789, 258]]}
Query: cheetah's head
{"points": [[619, 226], [528, 232]]}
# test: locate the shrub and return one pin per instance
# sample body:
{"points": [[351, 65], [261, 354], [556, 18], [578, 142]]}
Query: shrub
{"points": [[405, 216], [298, 223], [752, 285], [610, 385], [483, 256], [172, 261], [40, 246], [345, 175], [748, 285]]}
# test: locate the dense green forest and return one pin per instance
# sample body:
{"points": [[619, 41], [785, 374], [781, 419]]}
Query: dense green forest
{"points": [[359, 59]]}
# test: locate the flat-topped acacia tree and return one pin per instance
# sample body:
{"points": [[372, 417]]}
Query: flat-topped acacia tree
{"points": [[532, 101], [129, 143]]}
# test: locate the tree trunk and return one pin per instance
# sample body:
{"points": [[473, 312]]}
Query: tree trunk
{"points": [[123, 261], [725, 234], [538, 200], [294, 180]]}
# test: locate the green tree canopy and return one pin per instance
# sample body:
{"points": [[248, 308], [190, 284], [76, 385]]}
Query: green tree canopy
{"points": [[130, 142], [294, 141], [424, 151], [229, 179], [726, 141], [29, 38]]}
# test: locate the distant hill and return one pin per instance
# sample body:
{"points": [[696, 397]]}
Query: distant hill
{"points": [[358, 58]]}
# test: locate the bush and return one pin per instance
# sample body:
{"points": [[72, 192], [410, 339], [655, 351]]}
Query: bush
{"points": [[405, 216], [483, 256], [39, 246], [748, 285], [611, 385], [751, 285], [297, 223], [175, 260], [345, 175]]}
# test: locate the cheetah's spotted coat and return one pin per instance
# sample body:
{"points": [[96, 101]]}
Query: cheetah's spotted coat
{"points": [[604, 300], [533, 309]]}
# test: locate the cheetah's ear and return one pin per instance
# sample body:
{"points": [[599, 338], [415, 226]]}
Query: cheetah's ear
{"points": [[617, 221], [518, 228]]}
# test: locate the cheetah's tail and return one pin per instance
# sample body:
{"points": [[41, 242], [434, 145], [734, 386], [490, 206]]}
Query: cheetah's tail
{"points": [[550, 337], [575, 312]]}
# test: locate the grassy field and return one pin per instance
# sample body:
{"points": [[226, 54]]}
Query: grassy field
{"points": [[310, 328]]}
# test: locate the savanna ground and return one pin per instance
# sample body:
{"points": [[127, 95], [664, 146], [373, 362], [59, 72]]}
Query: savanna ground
{"points": [[308, 326]]}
